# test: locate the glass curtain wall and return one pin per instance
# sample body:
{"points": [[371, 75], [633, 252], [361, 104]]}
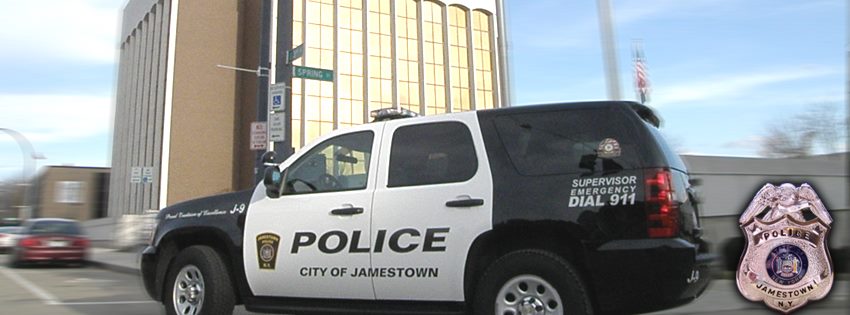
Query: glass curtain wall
{"points": [[459, 59], [407, 43], [319, 95], [380, 55], [407, 53], [483, 64], [350, 58], [297, 85], [432, 49]]}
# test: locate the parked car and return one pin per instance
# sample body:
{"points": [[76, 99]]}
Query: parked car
{"points": [[8, 237], [552, 209], [50, 240]]}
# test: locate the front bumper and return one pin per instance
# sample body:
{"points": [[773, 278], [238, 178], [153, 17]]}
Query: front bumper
{"points": [[648, 274], [148, 269]]}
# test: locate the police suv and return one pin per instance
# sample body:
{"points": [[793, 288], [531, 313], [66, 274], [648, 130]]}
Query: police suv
{"points": [[551, 209]]}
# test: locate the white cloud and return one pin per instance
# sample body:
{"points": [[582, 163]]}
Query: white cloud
{"points": [[70, 30], [730, 86], [55, 118]]}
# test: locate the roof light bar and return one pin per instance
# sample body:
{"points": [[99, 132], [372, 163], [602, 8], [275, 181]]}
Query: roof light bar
{"points": [[385, 114]]}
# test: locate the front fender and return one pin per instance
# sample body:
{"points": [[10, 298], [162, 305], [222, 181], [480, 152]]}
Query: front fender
{"points": [[216, 221]]}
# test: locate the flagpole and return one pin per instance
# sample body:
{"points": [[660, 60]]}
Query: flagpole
{"points": [[640, 74]]}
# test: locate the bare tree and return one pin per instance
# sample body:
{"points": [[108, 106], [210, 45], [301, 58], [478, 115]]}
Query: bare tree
{"points": [[819, 127]]}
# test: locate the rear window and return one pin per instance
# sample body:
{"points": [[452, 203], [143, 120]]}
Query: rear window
{"points": [[672, 158], [569, 141], [55, 227]]}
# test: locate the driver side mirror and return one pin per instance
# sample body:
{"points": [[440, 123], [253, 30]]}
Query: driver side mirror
{"points": [[273, 180]]}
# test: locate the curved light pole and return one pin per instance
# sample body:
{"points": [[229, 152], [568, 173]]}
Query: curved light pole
{"points": [[29, 156], [609, 51]]}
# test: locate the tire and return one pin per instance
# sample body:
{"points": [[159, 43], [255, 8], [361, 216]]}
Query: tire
{"points": [[531, 282], [198, 267], [14, 261]]}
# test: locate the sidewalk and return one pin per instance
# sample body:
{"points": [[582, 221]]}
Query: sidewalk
{"points": [[115, 260]]}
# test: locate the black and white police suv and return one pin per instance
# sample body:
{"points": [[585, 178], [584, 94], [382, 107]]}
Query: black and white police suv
{"points": [[550, 209]]}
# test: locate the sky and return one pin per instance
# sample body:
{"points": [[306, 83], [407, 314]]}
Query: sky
{"points": [[721, 71]]}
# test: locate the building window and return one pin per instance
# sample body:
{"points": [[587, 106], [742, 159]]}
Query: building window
{"points": [[407, 47], [459, 59], [319, 95], [481, 44], [69, 192], [432, 50], [350, 63], [297, 85], [429, 154], [380, 55]]}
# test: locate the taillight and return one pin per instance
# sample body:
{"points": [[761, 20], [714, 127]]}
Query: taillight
{"points": [[80, 242], [30, 242], [662, 212]]}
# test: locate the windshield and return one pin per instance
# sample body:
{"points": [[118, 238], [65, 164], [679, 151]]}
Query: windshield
{"points": [[10, 230]]}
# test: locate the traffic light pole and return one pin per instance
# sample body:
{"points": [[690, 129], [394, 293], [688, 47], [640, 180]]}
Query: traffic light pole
{"points": [[283, 74], [263, 80]]}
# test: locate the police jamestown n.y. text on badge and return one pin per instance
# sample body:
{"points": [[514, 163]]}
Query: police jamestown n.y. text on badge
{"points": [[786, 263]]}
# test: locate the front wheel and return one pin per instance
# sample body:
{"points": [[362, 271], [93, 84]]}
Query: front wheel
{"points": [[531, 282], [198, 283], [14, 261]]}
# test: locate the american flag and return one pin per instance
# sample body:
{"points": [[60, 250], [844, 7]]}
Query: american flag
{"points": [[641, 76]]}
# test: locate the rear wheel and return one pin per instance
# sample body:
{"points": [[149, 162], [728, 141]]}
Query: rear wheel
{"points": [[531, 282], [198, 283]]}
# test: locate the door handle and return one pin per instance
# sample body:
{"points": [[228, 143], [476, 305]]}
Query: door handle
{"points": [[464, 203], [347, 211]]}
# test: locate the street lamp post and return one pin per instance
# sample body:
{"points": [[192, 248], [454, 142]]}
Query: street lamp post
{"points": [[609, 52], [28, 166]]}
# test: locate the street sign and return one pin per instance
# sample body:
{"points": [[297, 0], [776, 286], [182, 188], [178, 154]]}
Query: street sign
{"points": [[136, 175], [312, 73], [295, 53], [259, 138], [277, 126], [147, 175], [276, 92]]}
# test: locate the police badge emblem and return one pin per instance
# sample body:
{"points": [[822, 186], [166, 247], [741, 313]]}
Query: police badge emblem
{"points": [[786, 262], [267, 250], [608, 148]]}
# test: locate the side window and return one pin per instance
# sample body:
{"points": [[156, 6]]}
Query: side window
{"points": [[569, 141], [432, 154], [339, 163]]}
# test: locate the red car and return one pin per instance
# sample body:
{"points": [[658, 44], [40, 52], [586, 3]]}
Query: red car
{"points": [[50, 240]]}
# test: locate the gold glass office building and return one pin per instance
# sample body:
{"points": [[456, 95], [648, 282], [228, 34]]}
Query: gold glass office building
{"points": [[182, 124]]}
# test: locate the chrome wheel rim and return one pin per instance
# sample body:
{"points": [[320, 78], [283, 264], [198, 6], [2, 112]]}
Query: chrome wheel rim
{"points": [[528, 295], [188, 295]]}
